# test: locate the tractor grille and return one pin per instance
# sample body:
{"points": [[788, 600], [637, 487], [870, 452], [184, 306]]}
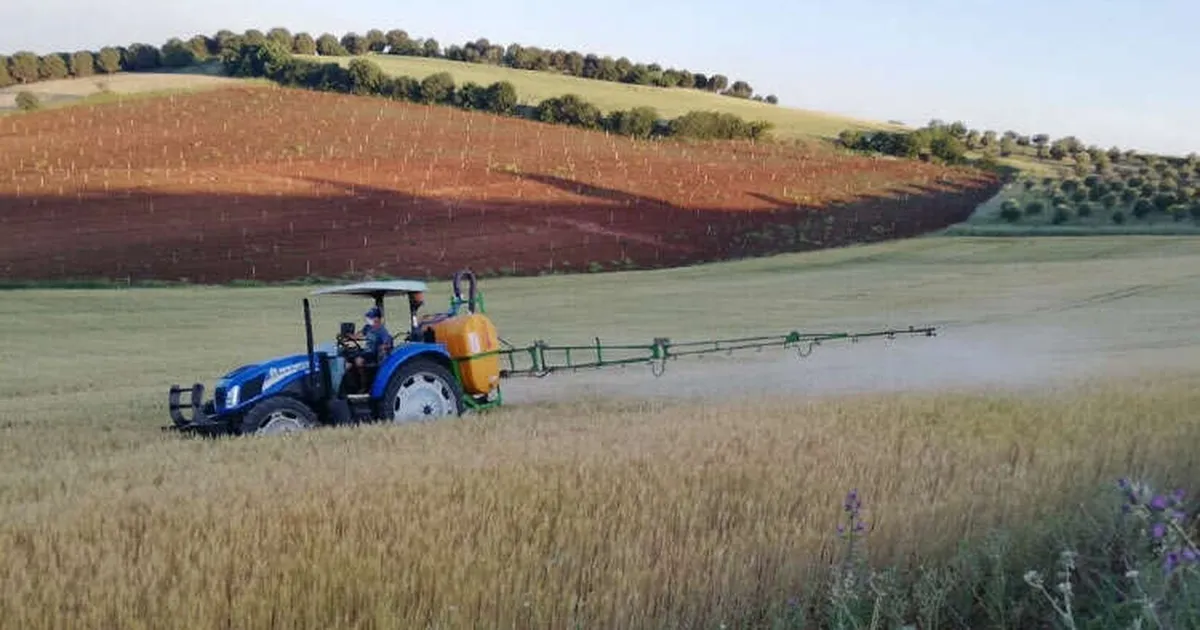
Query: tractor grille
{"points": [[219, 398]]}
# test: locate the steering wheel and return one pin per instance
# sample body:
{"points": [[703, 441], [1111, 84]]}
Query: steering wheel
{"points": [[349, 343]]}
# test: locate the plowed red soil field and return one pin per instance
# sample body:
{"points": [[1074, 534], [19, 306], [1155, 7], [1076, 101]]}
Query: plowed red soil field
{"points": [[269, 183]]}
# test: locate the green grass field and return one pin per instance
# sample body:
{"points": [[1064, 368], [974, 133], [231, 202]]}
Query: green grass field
{"points": [[533, 87], [120, 86], [588, 503]]}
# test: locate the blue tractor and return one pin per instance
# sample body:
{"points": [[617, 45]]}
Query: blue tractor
{"points": [[441, 366]]}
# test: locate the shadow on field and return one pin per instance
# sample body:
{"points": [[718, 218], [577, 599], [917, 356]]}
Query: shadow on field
{"points": [[355, 229]]}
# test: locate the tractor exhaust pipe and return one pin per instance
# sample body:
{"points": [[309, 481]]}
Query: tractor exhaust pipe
{"points": [[311, 381]]}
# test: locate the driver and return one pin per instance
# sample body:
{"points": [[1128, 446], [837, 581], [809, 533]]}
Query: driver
{"points": [[378, 342]]}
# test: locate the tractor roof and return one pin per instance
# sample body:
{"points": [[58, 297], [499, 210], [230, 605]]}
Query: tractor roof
{"points": [[376, 288]]}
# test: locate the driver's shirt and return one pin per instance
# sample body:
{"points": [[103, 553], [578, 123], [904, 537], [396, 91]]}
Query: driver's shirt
{"points": [[375, 337]]}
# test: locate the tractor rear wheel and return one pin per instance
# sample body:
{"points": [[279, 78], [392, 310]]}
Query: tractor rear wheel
{"points": [[421, 390], [279, 414]]}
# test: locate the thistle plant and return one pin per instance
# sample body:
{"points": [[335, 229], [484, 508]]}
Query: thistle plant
{"points": [[1164, 521], [850, 576]]}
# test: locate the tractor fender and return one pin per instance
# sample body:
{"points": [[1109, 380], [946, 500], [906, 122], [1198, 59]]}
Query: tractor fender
{"points": [[400, 356]]}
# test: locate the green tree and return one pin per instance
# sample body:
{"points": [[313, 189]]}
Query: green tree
{"points": [[1143, 208], [1010, 211], [1164, 200], [1008, 146], [569, 109], [431, 48], [281, 36], [740, 89], [142, 57], [948, 148], [109, 60], [710, 125], [1129, 195], [268, 59], [366, 77], [717, 83], [1118, 217], [772, 99], [437, 88], [1062, 214], [355, 44], [201, 47], [5, 78], [1109, 200], [53, 66], [28, 101], [402, 88], [329, 46], [398, 42], [304, 44], [638, 122], [1035, 207], [83, 64], [501, 97], [225, 41], [974, 139], [1041, 141], [851, 139], [376, 40], [1058, 150], [1084, 210], [254, 37], [177, 54]]}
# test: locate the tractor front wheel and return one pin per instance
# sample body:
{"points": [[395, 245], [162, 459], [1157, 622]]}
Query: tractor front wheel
{"points": [[278, 414], [421, 390]]}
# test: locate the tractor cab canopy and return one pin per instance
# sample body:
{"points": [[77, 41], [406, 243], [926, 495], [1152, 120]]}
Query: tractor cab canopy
{"points": [[380, 289]]}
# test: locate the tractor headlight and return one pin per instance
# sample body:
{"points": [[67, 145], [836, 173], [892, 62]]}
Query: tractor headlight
{"points": [[231, 396]]}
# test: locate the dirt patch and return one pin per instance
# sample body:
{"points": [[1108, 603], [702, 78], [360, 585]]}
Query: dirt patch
{"points": [[270, 184]]}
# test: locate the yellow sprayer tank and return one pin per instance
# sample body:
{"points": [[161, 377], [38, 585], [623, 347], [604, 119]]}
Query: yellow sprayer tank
{"points": [[465, 336]]}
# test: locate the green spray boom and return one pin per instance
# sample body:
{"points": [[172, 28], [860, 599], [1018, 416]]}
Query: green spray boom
{"points": [[541, 359]]}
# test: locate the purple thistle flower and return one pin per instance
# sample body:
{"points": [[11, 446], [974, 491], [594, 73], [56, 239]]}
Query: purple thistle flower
{"points": [[841, 529], [1189, 555], [1159, 503], [1171, 561], [859, 527], [852, 503], [1158, 531], [1178, 496], [1123, 483]]}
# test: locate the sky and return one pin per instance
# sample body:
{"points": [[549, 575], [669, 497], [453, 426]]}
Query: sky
{"points": [[1108, 72]]}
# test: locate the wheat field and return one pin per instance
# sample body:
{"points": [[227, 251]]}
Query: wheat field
{"points": [[575, 506]]}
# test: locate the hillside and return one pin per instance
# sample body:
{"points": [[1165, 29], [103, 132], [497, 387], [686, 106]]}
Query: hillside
{"points": [[534, 86], [120, 85], [271, 183]]}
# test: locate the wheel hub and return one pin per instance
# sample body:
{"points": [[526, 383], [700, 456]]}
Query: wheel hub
{"points": [[282, 422], [423, 396]]}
